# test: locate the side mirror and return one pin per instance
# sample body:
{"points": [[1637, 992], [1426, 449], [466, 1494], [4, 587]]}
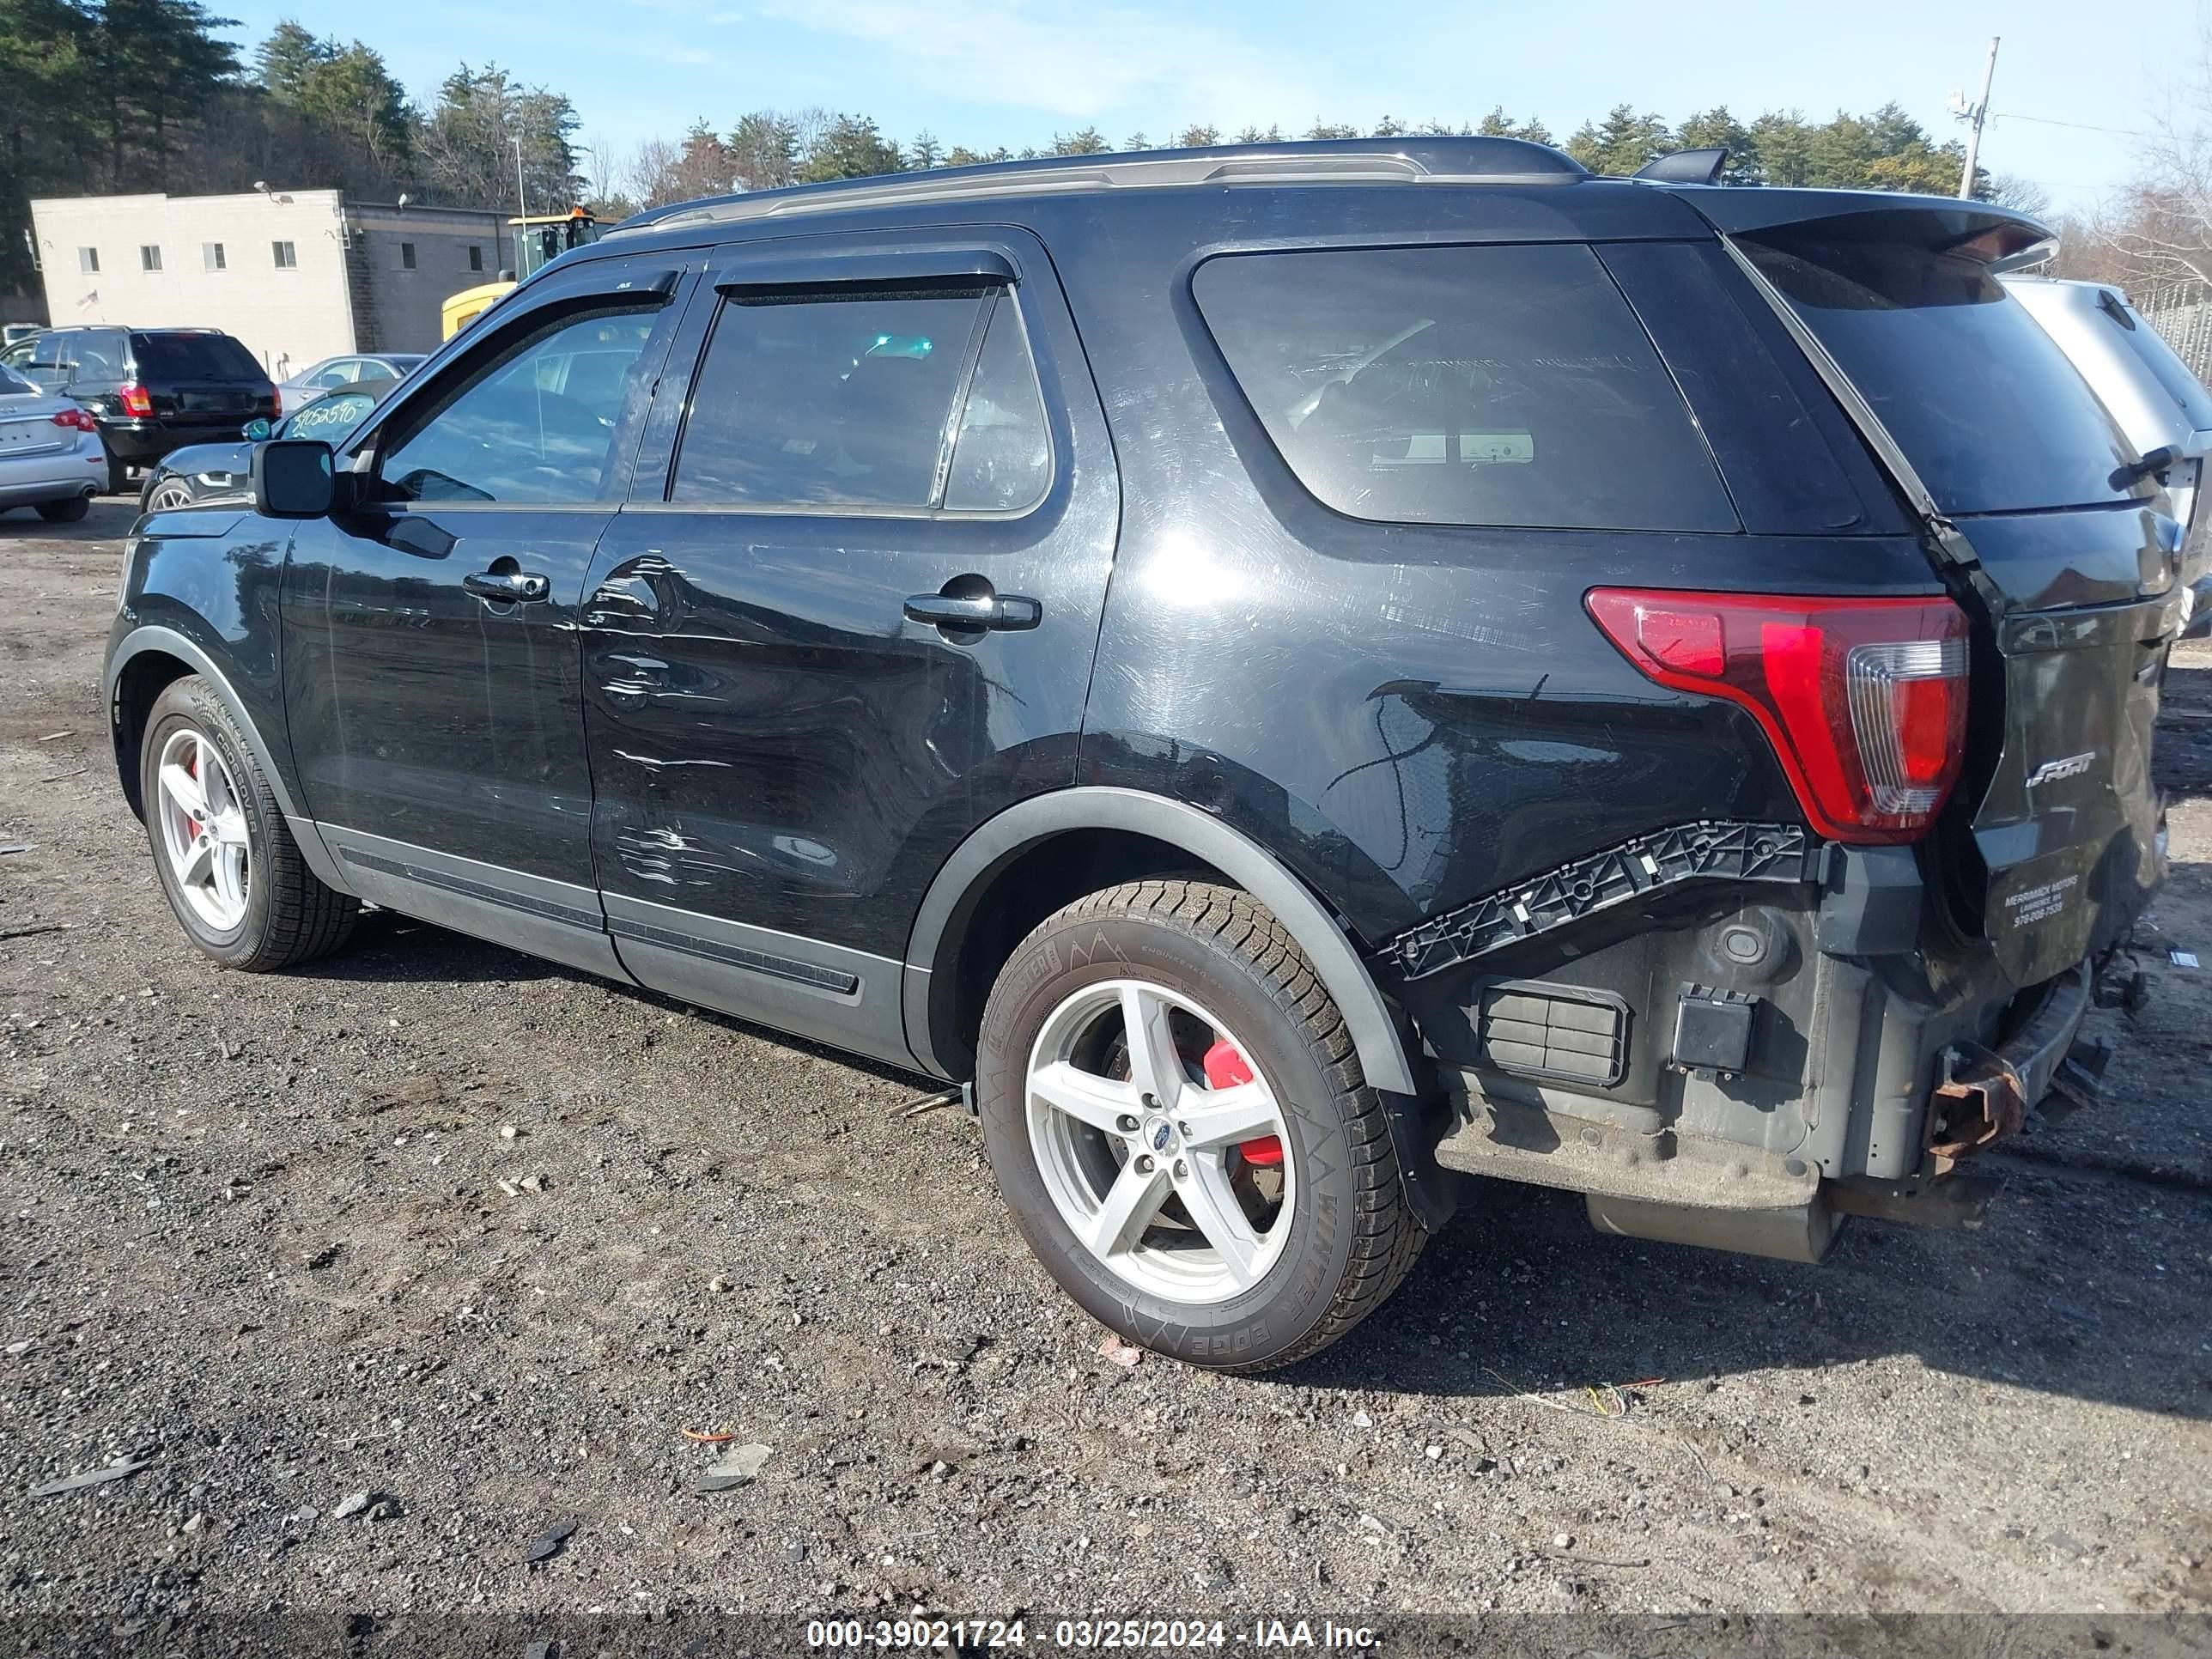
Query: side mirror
{"points": [[292, 479], [256, 430]]}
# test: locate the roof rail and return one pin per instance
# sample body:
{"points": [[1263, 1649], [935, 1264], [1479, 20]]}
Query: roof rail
{"points": [[1340, 161]]}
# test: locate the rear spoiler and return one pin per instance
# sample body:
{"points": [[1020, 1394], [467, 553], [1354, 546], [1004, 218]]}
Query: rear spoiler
{"points": [[1999, 237]]}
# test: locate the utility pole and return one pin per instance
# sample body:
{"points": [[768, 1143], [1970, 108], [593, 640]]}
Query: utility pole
{"points": [[522, 200], [1978, 112]]}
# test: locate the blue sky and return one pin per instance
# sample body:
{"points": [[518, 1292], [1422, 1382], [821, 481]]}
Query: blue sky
{"points": [[984, 72]]}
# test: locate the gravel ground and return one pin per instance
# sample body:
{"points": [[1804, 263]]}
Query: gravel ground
{"points": [[482, 1239]]}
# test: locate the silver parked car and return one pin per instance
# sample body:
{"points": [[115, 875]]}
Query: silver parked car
{"points": [[318, 379], [50, 453], [2147, 389]]}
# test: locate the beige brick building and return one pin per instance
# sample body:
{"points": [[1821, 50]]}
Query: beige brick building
{"points": [[296, 275]]}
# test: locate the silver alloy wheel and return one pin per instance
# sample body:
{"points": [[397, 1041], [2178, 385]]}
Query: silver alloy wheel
{"points": [[170, 495], [1147, 1164], [203, 828]]}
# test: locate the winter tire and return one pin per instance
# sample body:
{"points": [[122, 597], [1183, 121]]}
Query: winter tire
{"points": [[1176, 1113]]}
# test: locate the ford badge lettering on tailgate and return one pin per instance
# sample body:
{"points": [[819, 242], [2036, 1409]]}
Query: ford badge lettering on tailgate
{"points": [[2072, 767]]}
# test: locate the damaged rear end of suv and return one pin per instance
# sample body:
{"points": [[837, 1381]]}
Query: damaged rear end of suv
{"points": [[1290, 673], [1735, 1032]]}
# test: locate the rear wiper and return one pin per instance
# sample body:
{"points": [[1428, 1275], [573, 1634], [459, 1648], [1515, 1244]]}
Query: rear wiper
{"points": [[2126, 477]]}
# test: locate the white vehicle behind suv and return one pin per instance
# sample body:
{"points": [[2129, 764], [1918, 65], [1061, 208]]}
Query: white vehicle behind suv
{"points": [[2148, 390]]}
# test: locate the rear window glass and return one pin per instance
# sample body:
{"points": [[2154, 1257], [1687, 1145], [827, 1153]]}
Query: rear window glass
{"points": [[2162, 360], [1470, 385], [13, 384], [1985, 404], [917, 400], [193, 357]]}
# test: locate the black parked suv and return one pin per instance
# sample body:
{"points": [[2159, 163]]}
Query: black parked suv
{"points": [[1296, 673], [151, 390]]}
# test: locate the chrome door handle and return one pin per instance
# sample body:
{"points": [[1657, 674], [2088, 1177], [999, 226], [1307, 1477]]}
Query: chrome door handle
{"points": [[506, 587], [1012, 611]]}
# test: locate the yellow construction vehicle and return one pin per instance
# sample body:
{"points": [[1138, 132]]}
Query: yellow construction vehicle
{"points": [[539, 240]]}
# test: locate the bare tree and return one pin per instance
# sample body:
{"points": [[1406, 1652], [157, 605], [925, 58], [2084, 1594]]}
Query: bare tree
{"points": [[2161, 229], [2086, 253], [648, 178], [2022, 195]]}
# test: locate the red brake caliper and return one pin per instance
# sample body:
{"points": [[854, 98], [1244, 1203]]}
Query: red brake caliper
{"points": [[191, 770], [1224, 1068]]}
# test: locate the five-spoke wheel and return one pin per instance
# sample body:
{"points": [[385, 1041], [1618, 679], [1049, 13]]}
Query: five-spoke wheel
{"points": [[1161, 1148], [229, 866], [202, 826]]}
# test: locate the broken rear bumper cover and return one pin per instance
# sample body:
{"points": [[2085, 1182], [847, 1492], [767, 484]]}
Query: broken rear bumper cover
{"points": [[1897, 1098]]}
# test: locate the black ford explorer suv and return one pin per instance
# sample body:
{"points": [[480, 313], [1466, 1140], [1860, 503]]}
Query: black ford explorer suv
{"points": [[1296, 671]]}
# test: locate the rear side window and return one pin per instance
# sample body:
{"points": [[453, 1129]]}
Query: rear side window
{"points": [[1985, 404], [1002, 458], [99, 354], [914, 401], [193, 357], [1467, 385]]}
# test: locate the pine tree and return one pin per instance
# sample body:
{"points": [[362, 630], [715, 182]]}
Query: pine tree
{"points": [[1622, 142], [1717, 128], [850, 147], [285, 61], [764, 150]]}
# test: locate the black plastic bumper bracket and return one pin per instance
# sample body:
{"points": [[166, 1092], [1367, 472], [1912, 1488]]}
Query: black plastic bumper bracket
{"points": [[1705, 851]]}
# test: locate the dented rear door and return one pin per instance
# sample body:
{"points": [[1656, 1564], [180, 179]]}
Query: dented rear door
{"points": [[849, 613]]}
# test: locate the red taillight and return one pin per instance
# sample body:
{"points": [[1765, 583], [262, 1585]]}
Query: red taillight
{"points": [[76, 417], [136, 399], [1863, 700]]}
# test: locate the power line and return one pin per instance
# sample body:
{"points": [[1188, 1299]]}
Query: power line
{"points": [[2047, 121]]}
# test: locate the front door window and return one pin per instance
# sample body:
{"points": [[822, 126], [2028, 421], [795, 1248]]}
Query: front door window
{"points": [[535, 425]]}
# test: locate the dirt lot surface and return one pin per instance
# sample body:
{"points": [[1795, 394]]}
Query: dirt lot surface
{"points": [[256, 1237]]}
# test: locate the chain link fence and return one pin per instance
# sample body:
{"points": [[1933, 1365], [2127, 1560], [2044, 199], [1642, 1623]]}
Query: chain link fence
{"points": [[2182, 312]]}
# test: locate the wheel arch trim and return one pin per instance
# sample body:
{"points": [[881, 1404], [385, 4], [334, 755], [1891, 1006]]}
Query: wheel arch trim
{"points": [[967, 874], [157, 637]]}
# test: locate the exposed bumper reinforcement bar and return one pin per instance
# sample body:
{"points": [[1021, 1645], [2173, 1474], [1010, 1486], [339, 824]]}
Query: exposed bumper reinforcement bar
{"points": [[1985, 1093]]}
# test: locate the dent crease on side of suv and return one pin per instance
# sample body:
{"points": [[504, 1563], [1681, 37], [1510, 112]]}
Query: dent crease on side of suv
{"points": [[1299, 675]]}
